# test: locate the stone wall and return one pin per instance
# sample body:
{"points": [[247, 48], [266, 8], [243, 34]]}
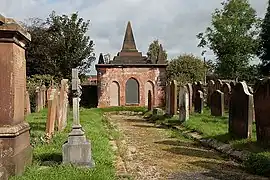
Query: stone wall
{"points": [[145, 75]]}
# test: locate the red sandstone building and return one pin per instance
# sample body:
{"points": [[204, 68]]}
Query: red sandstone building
{"points": [[126, 80]]}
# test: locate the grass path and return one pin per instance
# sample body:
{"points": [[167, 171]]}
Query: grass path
{"points": [[151, 152], [48, 157]]}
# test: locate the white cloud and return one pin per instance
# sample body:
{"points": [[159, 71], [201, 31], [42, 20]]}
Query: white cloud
{"points": [[174, 22]]}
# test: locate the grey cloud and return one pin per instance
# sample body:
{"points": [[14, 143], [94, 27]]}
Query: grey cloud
{"points": [[174, 22]]}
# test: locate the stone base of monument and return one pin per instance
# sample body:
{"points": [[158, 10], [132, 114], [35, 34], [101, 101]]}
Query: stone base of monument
{"points": [[15, 147], [77, 150]]}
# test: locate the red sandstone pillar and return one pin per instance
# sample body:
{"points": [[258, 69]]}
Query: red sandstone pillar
{"points": [[14, 131]]}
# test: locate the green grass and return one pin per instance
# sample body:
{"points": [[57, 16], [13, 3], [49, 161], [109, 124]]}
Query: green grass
{"points": [[48, 157]]}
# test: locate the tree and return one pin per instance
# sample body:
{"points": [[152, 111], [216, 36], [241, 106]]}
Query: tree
{"points": [[264, 51], [153, 51], [233, 37], [59, 44], [186, 68]]}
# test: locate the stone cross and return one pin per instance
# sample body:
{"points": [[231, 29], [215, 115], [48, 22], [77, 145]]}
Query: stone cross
{"points": [[77, 150]]}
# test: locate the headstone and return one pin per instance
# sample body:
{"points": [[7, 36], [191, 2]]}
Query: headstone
{"points": [[232, 84], [198, 106], [218, 84], [44, 98], [77, 150], [183, 104], [226, 89], [173, 98], [51, 116], [14, 130], [38, 99], [240, 113], [63, 100], [211, 89], [250, 90], [150, 101], [168, 94], [194, 90], [190, 94], [27, 104], [262, 110], [217, 103]]}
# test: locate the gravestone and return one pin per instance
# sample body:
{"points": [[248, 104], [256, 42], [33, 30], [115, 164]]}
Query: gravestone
{"points": [[66, 103], [44, 98], [183, 104], [63, 100], [240, 113], [198, 105], [150, 101], [226, 89], [250, 90], [210, 90], [168, 94], [194, 91], [262, 110], [77, 150], [232, 84], [190, 94], [173, 98], [217, 103], [218, 84], [38, 99], [27, 107], [51, 115], [14, 130]]}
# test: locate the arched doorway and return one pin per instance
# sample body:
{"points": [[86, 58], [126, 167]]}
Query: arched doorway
{"points": [[149, 86], [132, 91], [114, 94]]}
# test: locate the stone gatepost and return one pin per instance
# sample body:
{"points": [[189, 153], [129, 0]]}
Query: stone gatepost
{"points": [[14, 131], [78, 149]]}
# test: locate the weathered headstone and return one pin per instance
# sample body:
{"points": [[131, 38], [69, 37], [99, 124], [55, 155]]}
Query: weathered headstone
{"points": [[218, 84], [173, 98], [44, 98], [65, 105], [262, 110], [240, 113], [194, 91], [38, 99], [78, 149], [198, 105], [232, 84], [183, 104], [190, 94], [210, 90], [168, 94], [150, 101], [217, 103], [14, 131], [226, 89], [63, 100], [51, 116], [27, 107]]}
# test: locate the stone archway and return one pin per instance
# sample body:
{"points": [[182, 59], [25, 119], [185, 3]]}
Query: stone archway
{"points": [[114, 94], [149, 86], [132, 91]]}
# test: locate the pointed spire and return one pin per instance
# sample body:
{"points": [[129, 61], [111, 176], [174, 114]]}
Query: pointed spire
{"points": [[160, 57], [129, 42], [101, 59]]}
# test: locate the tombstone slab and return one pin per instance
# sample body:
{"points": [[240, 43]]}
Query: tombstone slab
{"points": [[198, 105], [210, 90], [226, 89], [173, 98], [190, 94], [217, 103], [14, 131], [183, 104], [262, 110], [240, 112]]}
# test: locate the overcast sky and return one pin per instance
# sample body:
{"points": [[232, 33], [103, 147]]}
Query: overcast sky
{"points": [[174, 22]]}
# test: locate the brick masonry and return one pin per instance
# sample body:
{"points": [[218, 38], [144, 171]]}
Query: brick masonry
{"points": [[107, 74]]}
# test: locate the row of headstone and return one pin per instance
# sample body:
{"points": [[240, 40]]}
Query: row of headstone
{"points": [[40, 98], [57, 108]]}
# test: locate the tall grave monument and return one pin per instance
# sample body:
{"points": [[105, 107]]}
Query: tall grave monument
{"points": [[16, 151], [78, 149]]}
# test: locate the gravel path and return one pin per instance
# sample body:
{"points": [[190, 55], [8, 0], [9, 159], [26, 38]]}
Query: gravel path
{"points": [[150, 153]]}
